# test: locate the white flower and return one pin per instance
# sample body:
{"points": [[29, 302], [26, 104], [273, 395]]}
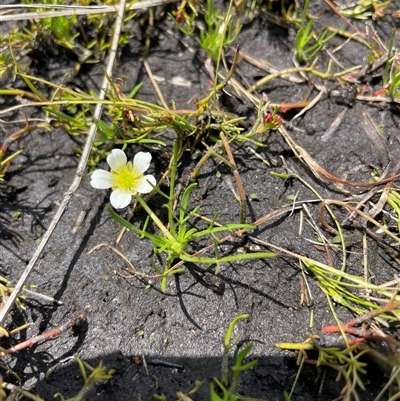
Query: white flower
{"points": [[125, 178]]}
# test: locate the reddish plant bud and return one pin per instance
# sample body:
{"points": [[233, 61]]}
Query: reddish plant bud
{"points": [[179, 18], [268, 118]]}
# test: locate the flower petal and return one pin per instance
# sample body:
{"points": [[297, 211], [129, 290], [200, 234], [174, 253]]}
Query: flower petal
{"points": [[143, 187], [120, 199], [102, 179], [141, 162], [117, 160]]}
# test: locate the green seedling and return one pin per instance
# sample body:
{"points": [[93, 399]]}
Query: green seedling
{"points": [[365, 9], [185, 16], [91, 376], [226, 388], [394, 83], [175, 239], [5, 163], [345, 360], [4, 61], [88, 43], [254, 197], [307, 46], [220, 31], [283, 176], [16, 215], [181, 396], [390, 59], [61, 28], [393, 201]]}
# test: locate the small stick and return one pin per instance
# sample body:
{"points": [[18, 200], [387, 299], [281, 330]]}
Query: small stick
{"points": [[145, 364], [318, 170], [310, 104], [15, 135], [327, 202], [334, 126], [45, 297], [365, 264], [79, 220], [43, 337], [79, 171], [269, 67], [166, 364], [318, 231], [278, 74], [73, 10], [239, 183], [375, 137], [155, 84]]}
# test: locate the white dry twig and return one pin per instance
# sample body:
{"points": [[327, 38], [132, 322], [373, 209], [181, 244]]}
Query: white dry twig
{"points": [[79, 171], [66, 10]]}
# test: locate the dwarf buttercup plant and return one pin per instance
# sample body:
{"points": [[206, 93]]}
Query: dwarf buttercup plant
{"points": [[125, 178]]}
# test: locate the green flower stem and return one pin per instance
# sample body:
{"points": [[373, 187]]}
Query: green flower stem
{"points": [[156, 220]]}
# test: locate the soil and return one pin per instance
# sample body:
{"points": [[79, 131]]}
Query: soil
{"points": [[163, 342]]}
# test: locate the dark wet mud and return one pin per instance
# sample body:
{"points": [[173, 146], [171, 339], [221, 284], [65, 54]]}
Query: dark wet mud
{"points": [[163, 342]]}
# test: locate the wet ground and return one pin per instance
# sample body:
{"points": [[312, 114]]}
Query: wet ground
{"points": [[164, 342]]}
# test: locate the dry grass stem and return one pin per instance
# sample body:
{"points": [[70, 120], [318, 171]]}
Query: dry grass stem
{"points": [[79, 172]]}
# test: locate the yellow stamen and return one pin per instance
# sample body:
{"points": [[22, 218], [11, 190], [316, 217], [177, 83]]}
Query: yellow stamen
{"points": [[127, 179]]}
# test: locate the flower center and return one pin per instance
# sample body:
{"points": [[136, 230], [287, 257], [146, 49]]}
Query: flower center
{"points": [[126, 179]]}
